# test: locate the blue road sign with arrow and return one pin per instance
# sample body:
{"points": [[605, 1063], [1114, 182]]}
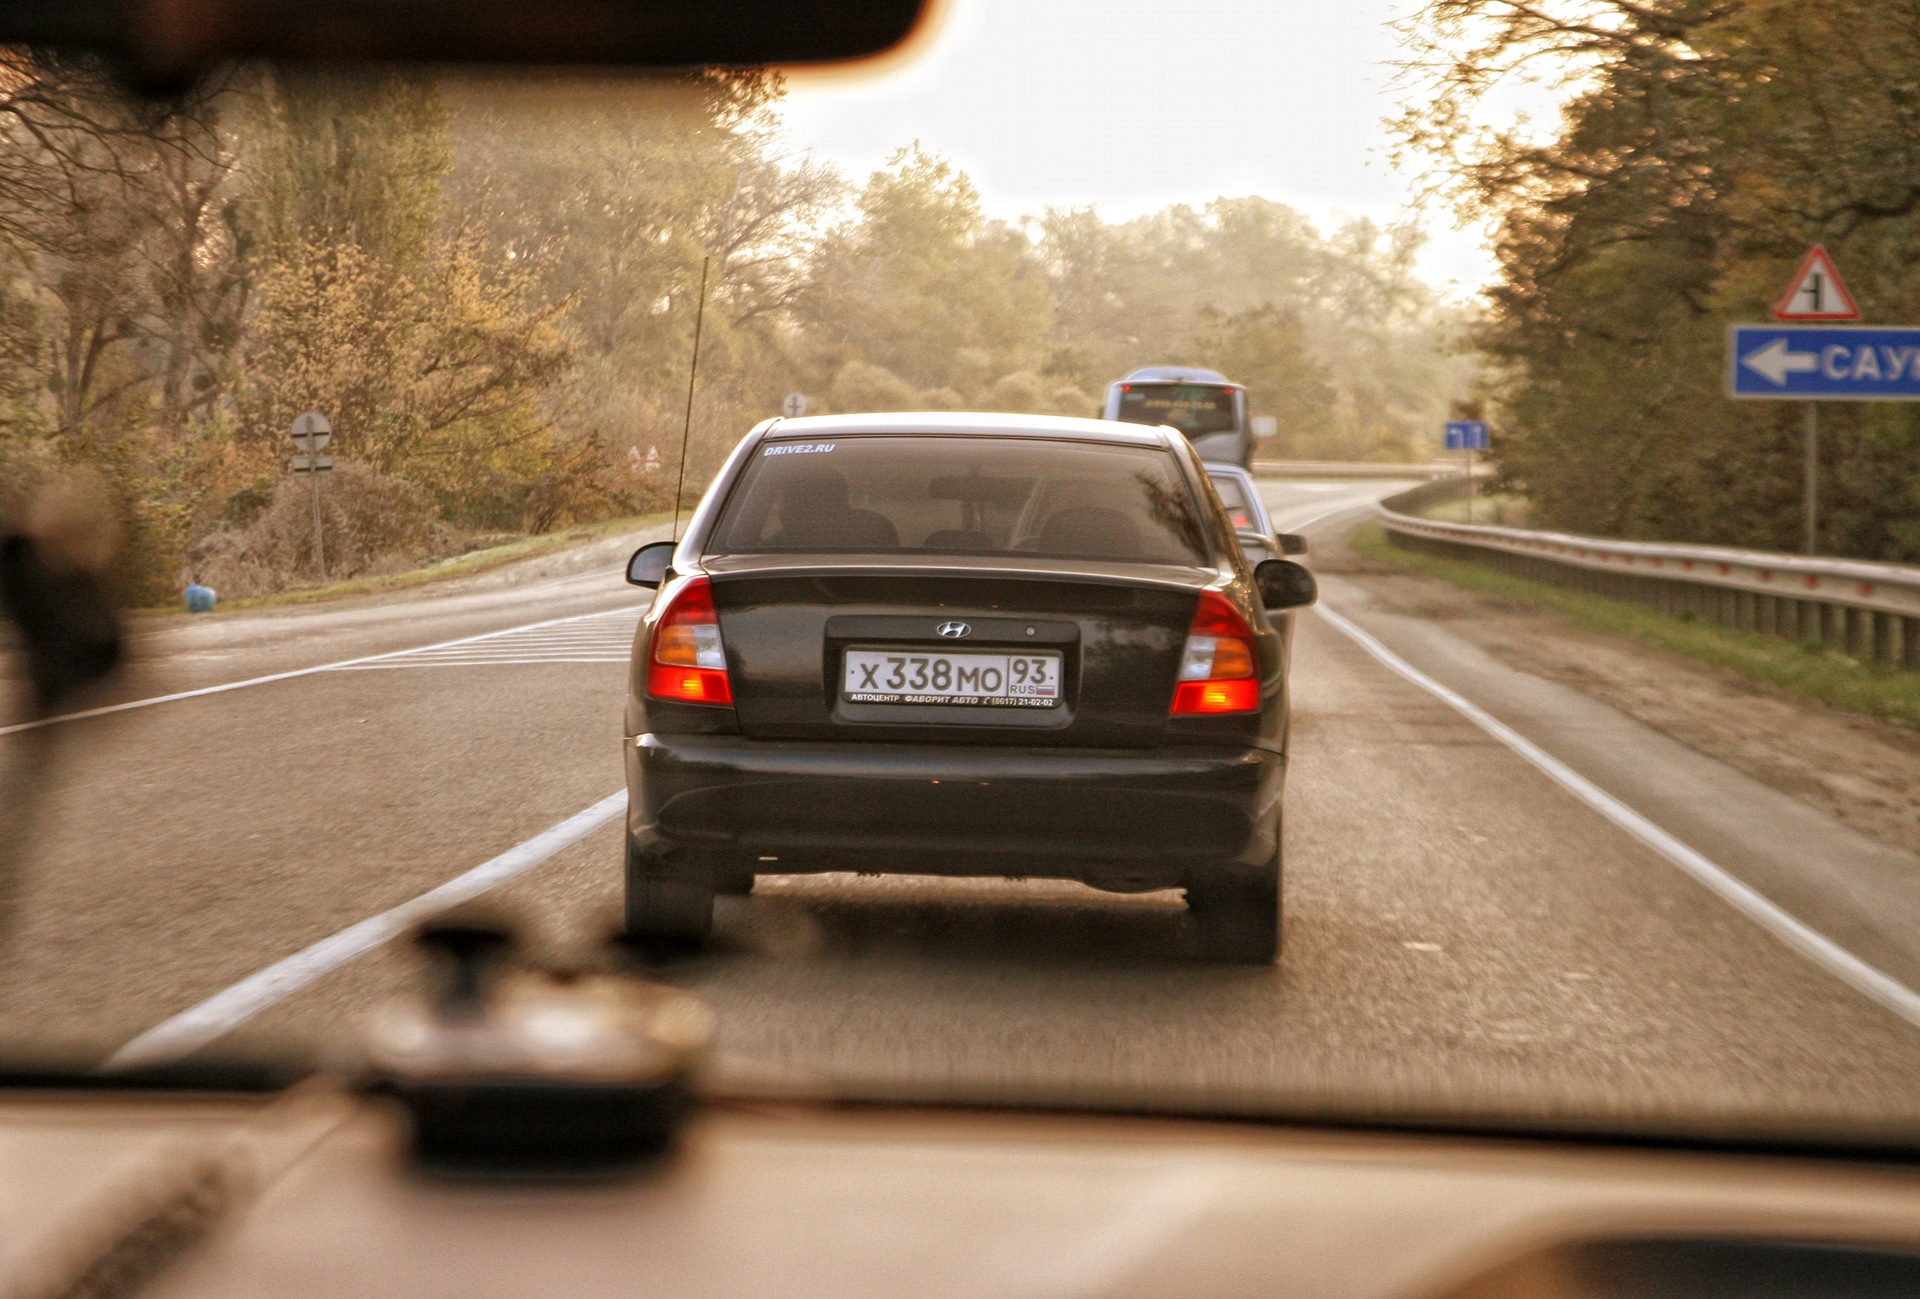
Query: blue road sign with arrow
{"points": [[1466, 435], [1824, 363]]}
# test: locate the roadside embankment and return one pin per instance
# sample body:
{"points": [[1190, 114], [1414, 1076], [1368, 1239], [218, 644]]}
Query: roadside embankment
{"points": [[569, 550], [1840, 734]]}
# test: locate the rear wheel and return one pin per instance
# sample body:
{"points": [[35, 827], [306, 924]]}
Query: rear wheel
{"points": [[668, 900], [1238, 916]]}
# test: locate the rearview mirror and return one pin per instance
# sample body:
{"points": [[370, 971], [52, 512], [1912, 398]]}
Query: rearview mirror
{"points": [[1284, 584], [163, 40], [1292, 543], [652, 564]]}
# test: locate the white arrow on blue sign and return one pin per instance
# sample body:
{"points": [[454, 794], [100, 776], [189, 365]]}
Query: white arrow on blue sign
{"points": [[1824, 362], [1466, 435]]}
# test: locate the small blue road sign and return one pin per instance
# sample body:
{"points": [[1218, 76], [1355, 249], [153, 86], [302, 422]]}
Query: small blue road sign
{"points": [[1466, 435], [1824, 362]]}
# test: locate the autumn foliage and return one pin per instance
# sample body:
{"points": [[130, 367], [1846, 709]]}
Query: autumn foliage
{"points": [[489, 285], [1703, 146]]}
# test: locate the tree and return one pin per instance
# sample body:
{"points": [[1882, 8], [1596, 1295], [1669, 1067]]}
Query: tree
{"points": [[861, 386], [116, 220], [1265, 348], [351, 160], [428, 350], [1703, 145], [614, 194], [120, 283], [1365, 342], [920, 275]]}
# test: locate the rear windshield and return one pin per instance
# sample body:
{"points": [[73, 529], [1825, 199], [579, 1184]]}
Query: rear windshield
{"points": [[963, 495], [1193, 408]]}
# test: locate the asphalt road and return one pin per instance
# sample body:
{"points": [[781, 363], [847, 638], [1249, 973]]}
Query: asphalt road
{"points": [[1463, 933]]}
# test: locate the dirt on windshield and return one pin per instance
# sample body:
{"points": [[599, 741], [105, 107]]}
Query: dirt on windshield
{"points": [[1861, 770]]}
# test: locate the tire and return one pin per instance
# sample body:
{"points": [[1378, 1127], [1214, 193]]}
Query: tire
{"points": [[1238, 916], [668, 901]]}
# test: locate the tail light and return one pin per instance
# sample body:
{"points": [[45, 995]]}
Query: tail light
{"points": [[689, 663], [1217, 670]]}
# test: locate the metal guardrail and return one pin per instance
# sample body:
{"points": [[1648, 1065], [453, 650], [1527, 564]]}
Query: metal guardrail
{"points": [[1865, 610], [1352, 469]]}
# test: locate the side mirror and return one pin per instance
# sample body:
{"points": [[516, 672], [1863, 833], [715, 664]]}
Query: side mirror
{"points": [[651, 564], [1292, 543], [1253, 537], [1284, 584]]}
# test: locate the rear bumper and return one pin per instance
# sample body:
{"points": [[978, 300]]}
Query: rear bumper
{"points": [[1118, 818]]}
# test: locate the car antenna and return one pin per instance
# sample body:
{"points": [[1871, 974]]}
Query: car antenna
{"points": [[693, 371]]}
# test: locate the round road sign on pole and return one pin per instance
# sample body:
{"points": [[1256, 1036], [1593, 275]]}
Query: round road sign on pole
{"points": [[311, 432], [795, 405]]}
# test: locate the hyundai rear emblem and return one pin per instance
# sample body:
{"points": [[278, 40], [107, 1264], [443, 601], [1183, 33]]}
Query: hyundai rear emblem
{"points": [[955, 630]]}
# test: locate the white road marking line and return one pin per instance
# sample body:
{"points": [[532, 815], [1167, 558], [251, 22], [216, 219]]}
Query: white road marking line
{"points": [[574, 636], [477, 663], [507, 647], [588, 641], [581, 636], [149, 702], [590, 644], [219, 1014], [1796, 934]]}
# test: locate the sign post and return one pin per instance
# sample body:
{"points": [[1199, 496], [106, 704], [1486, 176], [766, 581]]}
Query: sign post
{"points": [[1815, 293], [1468, 435], [1823, 363], [1810, 484], [311, 433]]}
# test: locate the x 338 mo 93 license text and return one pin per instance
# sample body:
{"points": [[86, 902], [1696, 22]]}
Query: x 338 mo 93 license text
{"points": [[891, 676]]}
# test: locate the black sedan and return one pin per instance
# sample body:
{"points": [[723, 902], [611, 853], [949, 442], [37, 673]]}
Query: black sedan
{"points": [[963, 645]]}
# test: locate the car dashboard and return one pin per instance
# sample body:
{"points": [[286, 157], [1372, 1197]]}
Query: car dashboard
{"points": [[781, 1198]]}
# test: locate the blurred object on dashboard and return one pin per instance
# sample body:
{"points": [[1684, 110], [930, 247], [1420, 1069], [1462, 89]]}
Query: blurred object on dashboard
{"points": [[528, 1072], [56, 559], [55, 583]]}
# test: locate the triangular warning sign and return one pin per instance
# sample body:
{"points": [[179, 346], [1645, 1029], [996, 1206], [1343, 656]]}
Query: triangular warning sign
{"points": [[1816, 292]]}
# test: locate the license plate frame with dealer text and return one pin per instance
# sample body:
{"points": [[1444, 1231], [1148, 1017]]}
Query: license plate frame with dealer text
{"points": [[952, 678]]}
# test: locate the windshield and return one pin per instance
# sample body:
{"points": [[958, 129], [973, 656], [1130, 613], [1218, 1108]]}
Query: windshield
{"points": [[963, 495], [1576, 340], [1192, 408]]}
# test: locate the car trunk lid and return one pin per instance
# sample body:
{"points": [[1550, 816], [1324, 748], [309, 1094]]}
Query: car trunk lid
{"points": [[1117, 630]]}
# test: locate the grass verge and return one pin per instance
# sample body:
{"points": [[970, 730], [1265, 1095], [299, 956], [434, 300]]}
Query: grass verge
{"points": [[1812, 671], [474, 561]]}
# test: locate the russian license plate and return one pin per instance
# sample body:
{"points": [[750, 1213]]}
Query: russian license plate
{"points": [[893, 676]]}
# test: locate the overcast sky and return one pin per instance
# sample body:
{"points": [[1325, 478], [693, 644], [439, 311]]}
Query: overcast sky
{"points": [[1133, 104]]}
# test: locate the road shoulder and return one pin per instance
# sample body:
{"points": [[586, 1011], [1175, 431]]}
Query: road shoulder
{"points": [[1862, 771]]}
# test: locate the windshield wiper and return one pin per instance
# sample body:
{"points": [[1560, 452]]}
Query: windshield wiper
{"points": [[120, 1240]]}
